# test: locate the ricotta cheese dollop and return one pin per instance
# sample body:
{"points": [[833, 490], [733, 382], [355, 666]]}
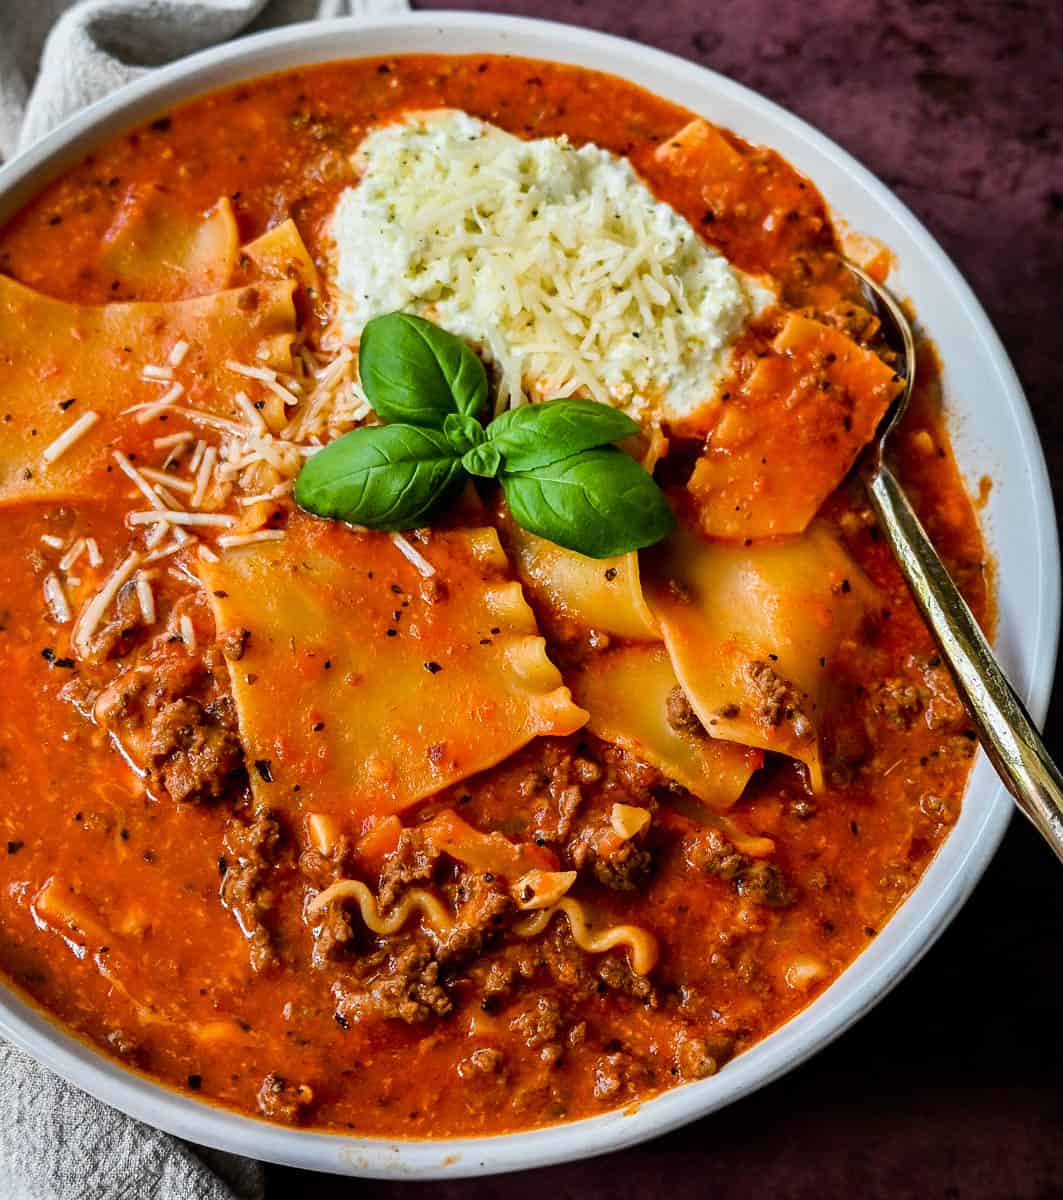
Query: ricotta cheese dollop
{"points": [[558, 263]]}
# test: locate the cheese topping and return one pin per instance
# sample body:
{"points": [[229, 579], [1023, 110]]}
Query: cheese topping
{"points": [[558, 263]]}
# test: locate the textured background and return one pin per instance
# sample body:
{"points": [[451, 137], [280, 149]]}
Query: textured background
{"points": [[952, 1087]]}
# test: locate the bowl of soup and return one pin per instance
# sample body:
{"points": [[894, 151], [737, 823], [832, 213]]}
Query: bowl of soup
{"points": [[463, 714]]}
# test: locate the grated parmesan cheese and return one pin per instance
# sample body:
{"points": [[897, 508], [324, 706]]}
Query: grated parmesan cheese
{"points": [[559, 263], [70, 435], [410, 552], [55, 598]]}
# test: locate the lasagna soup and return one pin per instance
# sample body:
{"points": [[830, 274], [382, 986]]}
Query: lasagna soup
{"points": [[448, 828]]}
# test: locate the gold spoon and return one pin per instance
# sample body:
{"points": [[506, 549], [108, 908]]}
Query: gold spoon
{"points": [[1004, 726]]}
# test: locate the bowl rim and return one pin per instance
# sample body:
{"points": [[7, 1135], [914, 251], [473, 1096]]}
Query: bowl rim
{"points": [[902, 942]]}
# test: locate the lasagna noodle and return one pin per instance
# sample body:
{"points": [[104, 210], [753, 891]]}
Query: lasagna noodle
{"points": [[626, 693], [641, 944], [358, 695], [752, 633], [789, 433], [597, 593], [281, 253], [59, 908], [483, 852], [62, 361], [416, 900], [157, 250]]}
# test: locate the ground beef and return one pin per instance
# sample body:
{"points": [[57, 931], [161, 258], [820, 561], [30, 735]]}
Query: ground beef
{"points": [[680, 716], [612, 1076], [484, 907], [699, 1057], [542, 1027], [332, 936], [233, 643], [280, 1100], [320, 869], [625, 870], [195, 756], [401, 982], [411, 863], [497, 984], [761, 882], [774, 693], [540, 1023], [485, 1061], [897, 701], [555, 786], [567, 965], [944, 709], [764, 883], [248, 870], [709, 851], [618, 976], [173, 717]]}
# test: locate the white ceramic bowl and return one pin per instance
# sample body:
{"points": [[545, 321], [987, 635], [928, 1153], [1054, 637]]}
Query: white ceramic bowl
{"points": [[993, 434]]}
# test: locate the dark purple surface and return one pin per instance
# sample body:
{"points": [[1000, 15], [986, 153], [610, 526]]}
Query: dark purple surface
{"points": [[953, 1086]]}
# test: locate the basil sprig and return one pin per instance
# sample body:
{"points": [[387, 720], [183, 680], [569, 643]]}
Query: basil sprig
{"points": [[562, 477]]}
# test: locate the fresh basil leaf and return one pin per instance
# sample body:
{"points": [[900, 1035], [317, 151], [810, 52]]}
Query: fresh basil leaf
{"points": [[599, 503], [462, 432], [413, 371], [483, 460], [536, 435], [382, 476]]}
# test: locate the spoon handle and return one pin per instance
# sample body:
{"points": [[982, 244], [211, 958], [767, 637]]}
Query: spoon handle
{"points": [[1004, 727]]}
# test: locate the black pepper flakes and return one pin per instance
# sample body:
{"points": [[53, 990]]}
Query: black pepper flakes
{"points": [[14, 847], [264, 768], [433, 668], [611, 573], [195, 1082]]}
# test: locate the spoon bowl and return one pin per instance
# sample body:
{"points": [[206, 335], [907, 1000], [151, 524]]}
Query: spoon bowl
{"points": [[1006, 732]]}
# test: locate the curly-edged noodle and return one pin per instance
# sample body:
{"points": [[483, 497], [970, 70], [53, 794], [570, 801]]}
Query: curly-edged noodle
{"points": [[641, 944], [61, 361], [597, 593], [752, 632], [416, 900], [365, 687], [156, 250], [626, 692]]}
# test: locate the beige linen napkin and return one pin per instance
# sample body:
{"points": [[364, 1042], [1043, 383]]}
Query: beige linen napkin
{"points": [[56, 1142]]}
